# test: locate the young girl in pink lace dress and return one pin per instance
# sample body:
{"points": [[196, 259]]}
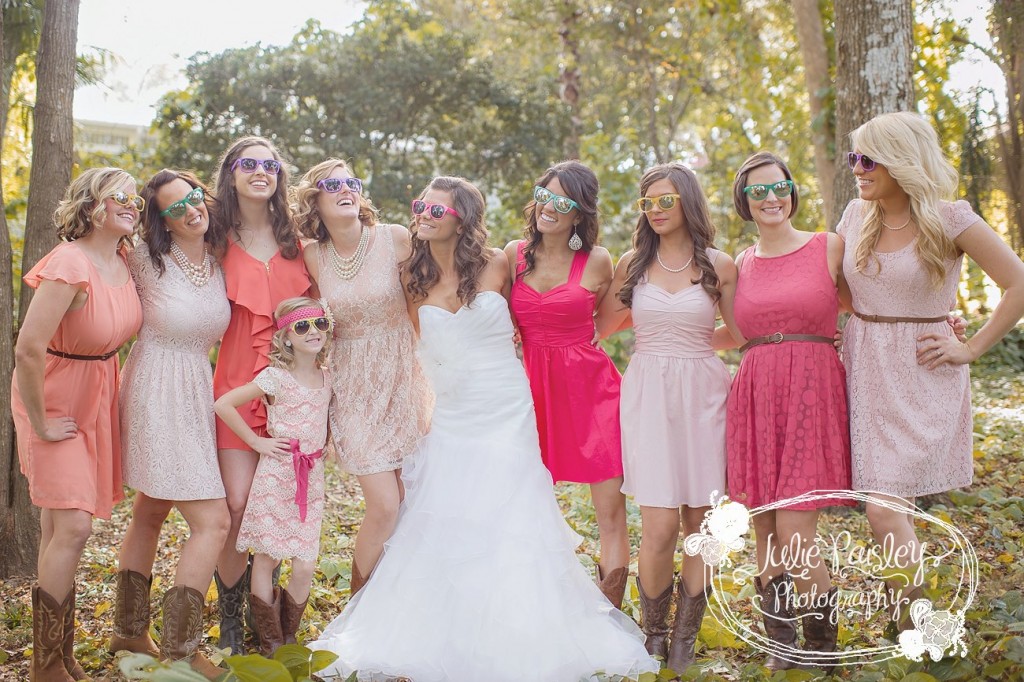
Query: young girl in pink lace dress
{"points": [[282, 517]]}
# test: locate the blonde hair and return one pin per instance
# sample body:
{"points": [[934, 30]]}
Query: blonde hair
{"points": [[909, 149], [282, 355], [82, 207], [304, 196]]}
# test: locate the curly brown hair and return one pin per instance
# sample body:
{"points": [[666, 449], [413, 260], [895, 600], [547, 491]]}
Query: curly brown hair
{"points": [[420, 270], [153, 231]]}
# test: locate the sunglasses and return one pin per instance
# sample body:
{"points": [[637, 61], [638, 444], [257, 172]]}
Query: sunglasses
{"points": [[866, 162], [781, 189], [665, 202], [129, 200], [303, 327], [180, 208], [437, 211], [334, 185], [248, 165], [562, 204]]}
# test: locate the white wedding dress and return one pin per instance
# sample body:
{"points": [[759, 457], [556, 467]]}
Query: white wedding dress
{"points": [[480, 581]]}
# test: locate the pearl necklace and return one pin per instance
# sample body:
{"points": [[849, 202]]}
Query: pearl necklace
{"points": [[686, 265], [348, 267], [199, 275], [894, 229]]}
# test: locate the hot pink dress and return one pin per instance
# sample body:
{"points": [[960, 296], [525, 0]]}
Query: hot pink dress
{"points": [[575, 385], [787, 421]]}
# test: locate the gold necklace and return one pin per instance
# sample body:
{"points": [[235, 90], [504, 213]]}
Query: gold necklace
{"points": [[199, 275], [894, 229], [348, 267]]}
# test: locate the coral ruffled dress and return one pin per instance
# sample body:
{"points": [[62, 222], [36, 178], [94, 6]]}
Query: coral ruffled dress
{"points": [[255, 289], [575, 384]]}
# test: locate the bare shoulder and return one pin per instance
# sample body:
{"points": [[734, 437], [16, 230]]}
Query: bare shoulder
{"points": [[836, 244], [725, 266], [497, 258], [400, 234], [601, 261]]}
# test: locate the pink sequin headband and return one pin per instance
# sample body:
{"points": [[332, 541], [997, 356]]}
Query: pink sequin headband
{"points": [[300, 314]]}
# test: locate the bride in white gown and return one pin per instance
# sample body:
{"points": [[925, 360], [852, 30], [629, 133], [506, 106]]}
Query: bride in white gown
{"points": [[480, 581]]}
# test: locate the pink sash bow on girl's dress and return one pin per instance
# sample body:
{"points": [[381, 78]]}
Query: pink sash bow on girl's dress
{"points": [[303, 464]]}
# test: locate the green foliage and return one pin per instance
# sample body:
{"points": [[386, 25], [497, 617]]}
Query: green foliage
{"points": [[290, 663]]}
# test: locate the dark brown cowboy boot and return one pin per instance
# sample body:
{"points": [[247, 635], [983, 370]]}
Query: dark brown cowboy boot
{"points": [[182, 631], [654, 620], [47, 639], [268, 622], [68, 646], [131, 615], [779, 625], [821, 628], [291, 616], [231, 602], [613, 587], [689, 616]]}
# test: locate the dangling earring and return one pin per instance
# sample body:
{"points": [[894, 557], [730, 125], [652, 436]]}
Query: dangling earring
{"points": [[575, 243]]}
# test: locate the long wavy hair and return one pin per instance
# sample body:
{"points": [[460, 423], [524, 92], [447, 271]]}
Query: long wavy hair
{"points": [[304, 197], [579, 184], [282, 355], [227, 215], [696, 220], [909, 149], [753, 162], [82, 207], [153, 231], [421, 272]]}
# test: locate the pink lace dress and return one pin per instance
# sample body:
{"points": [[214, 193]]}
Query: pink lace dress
{"points": [[787, 428], [910, 427], [381, 398], [575, 384], [169, 448], [275, 522]]}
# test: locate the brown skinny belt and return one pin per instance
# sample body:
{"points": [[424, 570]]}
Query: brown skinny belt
{"points": [[893, 320], [779, 337], [72, 356]]}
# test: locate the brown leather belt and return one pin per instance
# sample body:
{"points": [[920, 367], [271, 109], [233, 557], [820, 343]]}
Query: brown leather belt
{"points": [[779, 337], [72, 356], [893, 320]]}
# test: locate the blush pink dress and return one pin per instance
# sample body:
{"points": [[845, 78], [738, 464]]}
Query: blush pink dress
{"points": [[911, 428], [575, 384], [787, 422]]}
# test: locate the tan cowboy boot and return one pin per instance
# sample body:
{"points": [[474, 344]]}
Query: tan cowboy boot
{"points": [[68, 646], [182, 631], [291, 616], [613, 587], [131, 615], [654, 620], [47, 639], [268, 622]]}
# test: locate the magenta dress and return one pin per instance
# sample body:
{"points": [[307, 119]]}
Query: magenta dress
{"points": [[575, 385], [787, 420]]}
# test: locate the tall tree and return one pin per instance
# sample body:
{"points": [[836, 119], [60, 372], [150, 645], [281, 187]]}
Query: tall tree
{"points": [[874, 72], [50, 175], [1006, 23]]}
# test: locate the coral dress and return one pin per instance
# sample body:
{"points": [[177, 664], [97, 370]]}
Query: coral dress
{"points": [[911, 428], [787, 423], [169, 446], [575, 384], [673, 400], [275, 522], [381, 398], [83, 472], [255, 289]]}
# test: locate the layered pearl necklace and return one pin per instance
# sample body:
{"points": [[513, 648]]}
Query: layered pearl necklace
{"points": [[348, 267], [199, 275], [686, 265]]}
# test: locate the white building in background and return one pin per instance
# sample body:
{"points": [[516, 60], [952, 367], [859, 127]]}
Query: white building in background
{"points": [[111, 138]]}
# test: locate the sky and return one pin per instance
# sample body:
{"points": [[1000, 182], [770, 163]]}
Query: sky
{"points": [[151, 43]]}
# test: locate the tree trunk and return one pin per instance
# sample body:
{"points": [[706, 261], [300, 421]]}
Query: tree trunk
{"points": [[52, 133], [874, 74], [51, 172], [811, 31], [569, 78], [1007, 27]]}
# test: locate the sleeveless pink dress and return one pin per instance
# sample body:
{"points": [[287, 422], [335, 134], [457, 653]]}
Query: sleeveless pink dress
{"points": [[787, 423], [575, 385]]}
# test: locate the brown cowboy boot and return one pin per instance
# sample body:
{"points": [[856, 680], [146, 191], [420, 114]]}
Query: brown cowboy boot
{"points": [[779, 625], [231, 603], [68, 646], [689, 616], [182, 631], [47, 639], [131, 615], [654, 620], [613, 587], [355, 582], [899, 606], [291, 616], [268, 622], [821, 628]]}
